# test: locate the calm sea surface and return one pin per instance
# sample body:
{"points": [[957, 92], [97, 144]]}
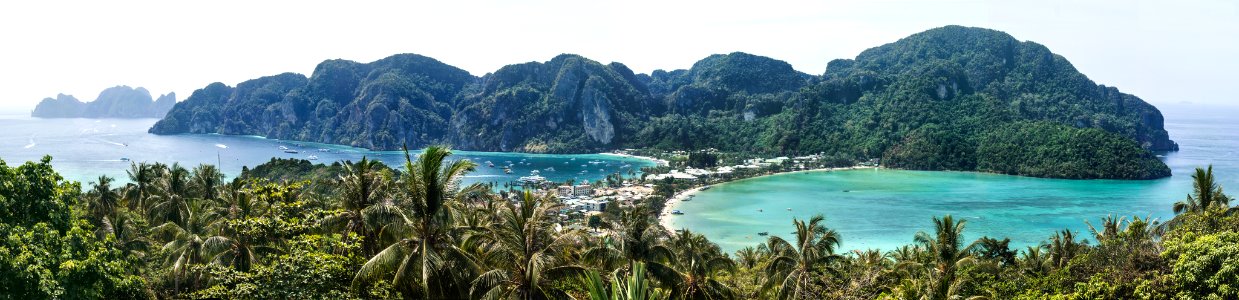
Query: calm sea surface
{"points": [[83, 149], [871, 209], [883, 209]]}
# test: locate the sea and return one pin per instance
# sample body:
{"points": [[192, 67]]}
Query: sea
{"points": [[84, 149], [871, 209], [883, 209]]}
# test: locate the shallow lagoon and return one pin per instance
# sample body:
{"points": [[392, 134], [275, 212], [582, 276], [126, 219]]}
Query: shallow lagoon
{"points": [[883, 209]]}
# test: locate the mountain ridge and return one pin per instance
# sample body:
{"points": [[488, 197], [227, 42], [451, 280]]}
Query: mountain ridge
{"points": [[928, 101]]}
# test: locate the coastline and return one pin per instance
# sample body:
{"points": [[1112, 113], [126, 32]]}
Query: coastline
{"points": [[664, 216]]}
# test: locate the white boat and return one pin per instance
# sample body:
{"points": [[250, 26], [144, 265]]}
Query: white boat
{"points": [[531, 179], [283, 148], [312, 157]]}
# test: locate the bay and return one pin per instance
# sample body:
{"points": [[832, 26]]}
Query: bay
{"points": [[84, 149], [884, 209]]}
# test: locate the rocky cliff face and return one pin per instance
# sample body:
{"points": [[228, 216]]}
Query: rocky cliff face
{"points": [[116, 102], [944, 87], [403, 99]]}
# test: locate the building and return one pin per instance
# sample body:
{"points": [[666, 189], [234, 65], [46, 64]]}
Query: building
{"points": [[582, 190], [594, 204], [564, 191]]}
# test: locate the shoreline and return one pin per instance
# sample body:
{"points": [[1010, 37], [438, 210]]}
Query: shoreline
{"points": [[664, 216]]}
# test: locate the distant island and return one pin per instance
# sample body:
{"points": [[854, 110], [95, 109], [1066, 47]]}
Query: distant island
{"points": [[950, 98], [115, 102]]}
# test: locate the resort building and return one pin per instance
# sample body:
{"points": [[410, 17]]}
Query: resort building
{"points": [[581, 190]]}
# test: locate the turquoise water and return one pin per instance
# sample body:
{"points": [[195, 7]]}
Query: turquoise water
{"points": [[83, 149], [883, 209]]}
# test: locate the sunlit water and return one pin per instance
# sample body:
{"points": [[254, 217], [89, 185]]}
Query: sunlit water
{"points": [[883, 209], [83, 149]]}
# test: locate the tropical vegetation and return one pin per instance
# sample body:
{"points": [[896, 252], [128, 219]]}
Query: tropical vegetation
{"points": [[416, 233], [950, 98]]}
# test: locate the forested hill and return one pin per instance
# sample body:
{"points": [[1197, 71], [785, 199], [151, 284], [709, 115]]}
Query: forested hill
{"points": [[940, 99]]}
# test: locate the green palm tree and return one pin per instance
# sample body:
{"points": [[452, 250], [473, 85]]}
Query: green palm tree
{"points": [[635, 237], [127, 235], [948, 253], [1034, 263], [1109, 228], [796, 268], [363, 189], [1062, 248], [423, 254], [184, 247], [522, 254], [102, 201], [143, 177], [205, 181], [695, 269], [1206, 193], [234, 248]]}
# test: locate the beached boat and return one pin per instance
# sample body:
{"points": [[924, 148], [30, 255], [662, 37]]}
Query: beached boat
{"points": [[677, 212]]}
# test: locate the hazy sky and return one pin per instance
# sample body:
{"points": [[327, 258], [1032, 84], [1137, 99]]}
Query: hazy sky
{"points": [[1162, 51]]}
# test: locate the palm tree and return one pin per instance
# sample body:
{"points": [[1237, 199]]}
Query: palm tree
{"points": [[185, 238], [522, 254], [126, 234], [234, 248], [363, 191], [143, 178], [1206, 194], [635, 237], [171, 204], [423, 253], [948, 254], [102, 200], [1109, 228], [1034, 263], [205, 180], [694, 270], [1062, 247], [796, 268]]}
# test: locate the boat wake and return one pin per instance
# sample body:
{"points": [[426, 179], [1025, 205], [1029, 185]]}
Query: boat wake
{"points": [[31, 144]]}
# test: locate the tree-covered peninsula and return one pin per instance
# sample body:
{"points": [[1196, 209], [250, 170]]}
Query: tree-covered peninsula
{"points": [[951, 98]]}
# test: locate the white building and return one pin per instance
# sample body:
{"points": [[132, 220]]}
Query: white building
{"points": [[582, 190]]}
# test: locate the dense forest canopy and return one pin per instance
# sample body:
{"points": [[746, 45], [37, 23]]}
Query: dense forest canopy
{"points": [[933, 100], [361, 230]]}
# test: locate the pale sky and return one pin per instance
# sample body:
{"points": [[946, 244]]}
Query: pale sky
{"points": [[1161, 51]]}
